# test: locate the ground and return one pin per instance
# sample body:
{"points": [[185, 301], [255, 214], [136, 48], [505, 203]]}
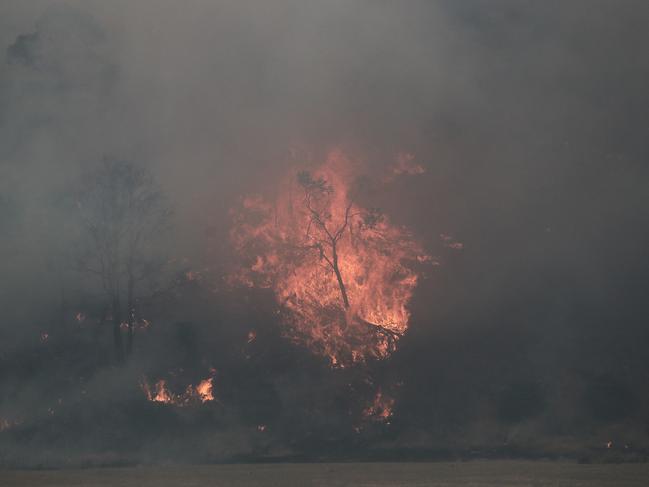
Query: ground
{"points": [[475, 474]]}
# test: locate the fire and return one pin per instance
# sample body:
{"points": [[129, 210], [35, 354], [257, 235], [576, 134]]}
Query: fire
{"points": [[252, 336], [381, 408], [204, 390], [160, 392], [450, 242], [406, 165], [6, 424], [342, 274], [192, 276]]}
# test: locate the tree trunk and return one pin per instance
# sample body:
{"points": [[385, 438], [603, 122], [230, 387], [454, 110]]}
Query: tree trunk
{"points": [[63, 310], [117, 331], [339, 277], [131, 315]]}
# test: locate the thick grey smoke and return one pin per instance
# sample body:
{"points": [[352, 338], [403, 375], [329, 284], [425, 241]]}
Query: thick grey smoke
{"points": [[530, 119]]}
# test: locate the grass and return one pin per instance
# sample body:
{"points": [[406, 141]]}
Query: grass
{"points": [[445, 474]]}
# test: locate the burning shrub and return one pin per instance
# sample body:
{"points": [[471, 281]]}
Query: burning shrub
{"points": [[342, 274]]}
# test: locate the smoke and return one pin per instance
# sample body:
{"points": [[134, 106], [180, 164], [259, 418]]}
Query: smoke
{"points": [[528, 120]]}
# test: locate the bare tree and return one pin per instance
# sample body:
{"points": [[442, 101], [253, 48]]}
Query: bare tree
{"points": [[322, 230], [326, 233], [122, 211]]}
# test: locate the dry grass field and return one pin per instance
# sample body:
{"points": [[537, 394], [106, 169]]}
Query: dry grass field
{"points": [[475, 474]]}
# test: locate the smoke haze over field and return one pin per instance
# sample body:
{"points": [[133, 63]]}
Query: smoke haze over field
{"points": [[529, 118]]}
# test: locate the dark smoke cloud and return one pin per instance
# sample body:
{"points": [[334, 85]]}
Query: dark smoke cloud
{"points": [[530, 119]]}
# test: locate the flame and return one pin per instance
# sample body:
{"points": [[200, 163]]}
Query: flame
{"points": [[381, 408], [342, 274], [160, 392], [204, 390]]}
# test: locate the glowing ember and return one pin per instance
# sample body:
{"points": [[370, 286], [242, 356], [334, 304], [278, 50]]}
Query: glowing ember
{"points": [[252, 335], [406, 165], [6, 424], [451, 243], [192, 275], [342, 275]]}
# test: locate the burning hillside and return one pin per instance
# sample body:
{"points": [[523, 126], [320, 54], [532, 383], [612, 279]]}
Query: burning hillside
{"points": [[342, 274]]}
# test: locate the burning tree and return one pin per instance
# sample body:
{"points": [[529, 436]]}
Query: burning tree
{"points": [[342, 275], [122, 211], [321, 230]]}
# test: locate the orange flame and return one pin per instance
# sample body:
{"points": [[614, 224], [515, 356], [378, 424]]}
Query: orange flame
{"points": [[343, 275], [204, 390], [201, 393], [381, 408]]}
